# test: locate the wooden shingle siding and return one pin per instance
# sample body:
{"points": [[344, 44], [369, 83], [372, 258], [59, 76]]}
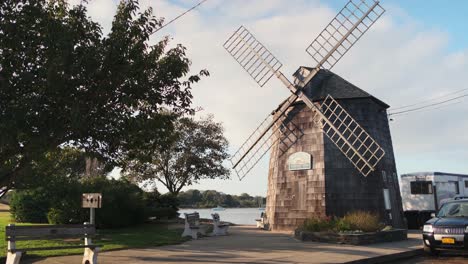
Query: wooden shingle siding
{"points": [[293, 194]]}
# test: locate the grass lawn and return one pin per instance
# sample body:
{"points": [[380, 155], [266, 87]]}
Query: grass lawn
{"points": [[147, 235]]}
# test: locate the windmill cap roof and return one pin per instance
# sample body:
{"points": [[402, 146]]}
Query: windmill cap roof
{"points": [[326, 83]]}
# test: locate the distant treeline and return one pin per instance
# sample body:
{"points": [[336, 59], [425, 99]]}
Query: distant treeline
{"points": [[210, 199]]}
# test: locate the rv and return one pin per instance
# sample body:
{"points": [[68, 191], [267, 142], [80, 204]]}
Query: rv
{"points": [[423, 193]]}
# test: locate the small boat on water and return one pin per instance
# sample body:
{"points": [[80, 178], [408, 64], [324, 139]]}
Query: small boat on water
{"points": [[218, 208]]}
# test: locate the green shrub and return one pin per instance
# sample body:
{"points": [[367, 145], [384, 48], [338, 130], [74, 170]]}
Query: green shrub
{"points": [[122, 206], [151, 198], [66, 205], [33, 205], [167, 200], [30, 206], [161, 206], [363, 221], [318, 224], [122, 202], [342, 225], [57, 216], [355, 221]]}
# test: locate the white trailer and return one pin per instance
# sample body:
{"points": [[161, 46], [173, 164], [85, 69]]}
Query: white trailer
{"points": [[422, 193]]}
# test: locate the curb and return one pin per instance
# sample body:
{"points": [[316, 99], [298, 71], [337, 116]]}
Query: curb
{"points": [[388, 258]]}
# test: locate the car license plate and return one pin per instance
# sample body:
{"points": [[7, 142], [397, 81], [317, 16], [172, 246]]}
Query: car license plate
{"points": [[448, 240]]}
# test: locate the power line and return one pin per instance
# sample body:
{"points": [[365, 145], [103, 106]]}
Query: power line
{"points": [[429, 109], [430, 100], [179, 16], [427, 106]]}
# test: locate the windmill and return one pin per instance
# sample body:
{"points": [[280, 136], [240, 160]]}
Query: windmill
{"points": [[339, 126], [327, 49]]}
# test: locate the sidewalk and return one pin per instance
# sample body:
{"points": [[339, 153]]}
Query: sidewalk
{"points": [[246, 244]]}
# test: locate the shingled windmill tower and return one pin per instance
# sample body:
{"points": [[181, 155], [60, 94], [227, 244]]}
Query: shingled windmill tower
{"points": [[331, 149]]}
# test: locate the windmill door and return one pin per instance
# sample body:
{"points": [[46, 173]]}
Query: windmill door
{"points": [[299, 195]]}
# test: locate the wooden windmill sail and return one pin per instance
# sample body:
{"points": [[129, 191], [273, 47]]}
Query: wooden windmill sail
{"points": [[348, 26]]}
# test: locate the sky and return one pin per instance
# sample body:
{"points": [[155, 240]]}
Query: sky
{"points": [[418, 50]]}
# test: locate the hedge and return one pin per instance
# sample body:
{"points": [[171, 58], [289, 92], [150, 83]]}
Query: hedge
{"points": [[123, 203]]}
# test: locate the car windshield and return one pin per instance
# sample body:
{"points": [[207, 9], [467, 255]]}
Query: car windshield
{"points": [[454, 210]]}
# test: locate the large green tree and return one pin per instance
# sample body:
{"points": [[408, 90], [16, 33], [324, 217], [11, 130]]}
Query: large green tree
{"points": [[63, 83], [196, 151]]}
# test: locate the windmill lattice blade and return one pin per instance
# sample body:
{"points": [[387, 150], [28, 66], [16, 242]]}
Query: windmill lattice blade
{"points": [[252, 56], [355, 143], [257, 145], [344, 31]]}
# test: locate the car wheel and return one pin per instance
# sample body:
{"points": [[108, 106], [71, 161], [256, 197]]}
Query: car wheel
{"points": [[430, 250]]}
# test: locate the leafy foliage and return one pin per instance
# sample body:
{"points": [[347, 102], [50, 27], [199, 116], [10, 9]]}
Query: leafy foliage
{"points": [[196, 151], [32, 205], [63, 83], [123, 203], [318, 224], [343, 225], [359, 221], [363, 221], [29, 206], [161, 206], [62, 164]]}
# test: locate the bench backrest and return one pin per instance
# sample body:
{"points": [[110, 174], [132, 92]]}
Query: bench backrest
{"points": [[192, 218], [215, 217], [38, 232]]}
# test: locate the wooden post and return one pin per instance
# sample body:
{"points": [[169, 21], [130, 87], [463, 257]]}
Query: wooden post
{"points": [[12, 256], [92, 216], [11, 241], [90, 254], [88, 239]]}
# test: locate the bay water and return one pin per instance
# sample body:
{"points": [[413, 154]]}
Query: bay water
{"points": [[239, 216]]}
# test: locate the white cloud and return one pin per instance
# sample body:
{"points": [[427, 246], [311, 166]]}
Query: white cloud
{"points": [[399, 60]]}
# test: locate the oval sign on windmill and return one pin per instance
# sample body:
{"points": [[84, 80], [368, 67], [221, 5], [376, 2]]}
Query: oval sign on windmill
{"points": [[300, 161]]}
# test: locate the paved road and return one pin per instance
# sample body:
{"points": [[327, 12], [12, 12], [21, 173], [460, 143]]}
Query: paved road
{"points": [[444, 259], [247, 244]]}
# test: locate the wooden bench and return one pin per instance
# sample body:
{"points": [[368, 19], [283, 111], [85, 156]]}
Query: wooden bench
{"points": [[15, 233], [193, 226], [219, 228], [261, 222]]}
